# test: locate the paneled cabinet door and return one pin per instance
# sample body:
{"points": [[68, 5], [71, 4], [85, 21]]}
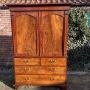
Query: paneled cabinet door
{"points": [[25, 33], [51, 33]]}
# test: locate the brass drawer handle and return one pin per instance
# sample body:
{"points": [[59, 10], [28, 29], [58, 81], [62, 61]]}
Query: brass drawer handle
{"points": [[27, 78], [51, 78], [26, 69], [26, 61], [52, 69], [52, 61]]}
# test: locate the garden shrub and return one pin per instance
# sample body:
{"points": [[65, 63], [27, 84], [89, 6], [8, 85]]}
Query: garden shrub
{"points": [[78, 37]]}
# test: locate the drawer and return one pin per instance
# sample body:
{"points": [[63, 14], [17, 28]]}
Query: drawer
{"points": [[54, 61], [27, 61], [39, 70], [40, 79]]}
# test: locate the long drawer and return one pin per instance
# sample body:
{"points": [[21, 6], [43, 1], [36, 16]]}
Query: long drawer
{"points": [[27, 61], [54, 61], [41, 61], [40, 79], [39, 70]]}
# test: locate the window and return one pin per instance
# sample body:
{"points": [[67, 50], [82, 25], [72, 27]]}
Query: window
{"points": [[88, 17]]}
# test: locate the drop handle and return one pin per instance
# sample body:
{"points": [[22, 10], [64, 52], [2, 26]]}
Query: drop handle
{"points": [[26, 69], [51, 78], [52, 69], [26, 61], [52, 61], [27, 78]]}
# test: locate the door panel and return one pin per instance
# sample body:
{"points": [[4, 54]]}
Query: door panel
{"points": [[26, 34], [51, 29]]}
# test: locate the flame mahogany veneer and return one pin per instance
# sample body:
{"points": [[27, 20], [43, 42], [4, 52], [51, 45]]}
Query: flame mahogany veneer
{"points": [[40, 44]]}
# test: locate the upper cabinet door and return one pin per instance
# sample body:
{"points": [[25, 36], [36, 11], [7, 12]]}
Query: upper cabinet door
{"points": [[25, 33], [51, 33]]}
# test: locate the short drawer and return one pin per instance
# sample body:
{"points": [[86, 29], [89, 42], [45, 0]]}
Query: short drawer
{"points": [[54, 61], [39, 70], [40, 79], [27, 61]]}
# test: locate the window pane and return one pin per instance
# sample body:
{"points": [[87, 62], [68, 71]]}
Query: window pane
{"points": [[88, 14], [88, 17], [88, 22]]}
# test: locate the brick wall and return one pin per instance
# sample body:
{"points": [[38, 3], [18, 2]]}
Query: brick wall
{"points": [[5, 24], [5, 35], [6, 55]]}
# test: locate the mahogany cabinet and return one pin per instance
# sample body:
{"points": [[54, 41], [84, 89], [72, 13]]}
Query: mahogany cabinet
{"points": [[40, 44]]}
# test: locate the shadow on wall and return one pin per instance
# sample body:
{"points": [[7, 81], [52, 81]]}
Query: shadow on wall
{"points": [[79, 58], [6, 61]]}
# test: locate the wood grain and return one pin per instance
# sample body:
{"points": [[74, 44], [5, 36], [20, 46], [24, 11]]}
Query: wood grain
{"points": [[27, 61], [40, 8], [25, 34], [66, 36], [39, 70], [41, 80], [51, 34], [53, 61], [39, 36]]}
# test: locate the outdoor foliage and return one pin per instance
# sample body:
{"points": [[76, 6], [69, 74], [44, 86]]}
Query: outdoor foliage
{"points": [[77, 28], [78, 37]]}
